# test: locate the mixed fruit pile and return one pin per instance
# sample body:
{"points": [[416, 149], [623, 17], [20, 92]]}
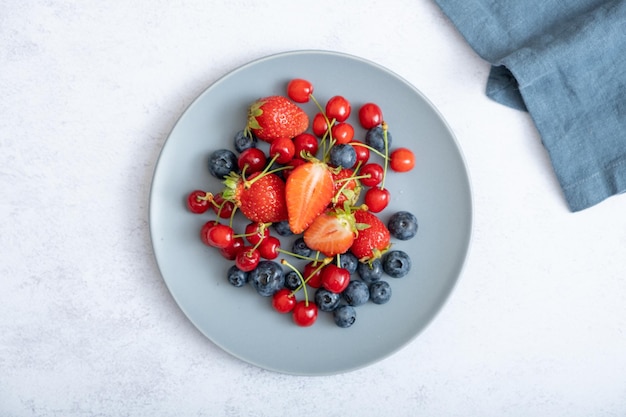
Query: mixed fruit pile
{"points": [[316, 183]]}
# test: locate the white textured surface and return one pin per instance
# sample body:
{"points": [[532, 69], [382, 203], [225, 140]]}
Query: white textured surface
{"points": [[88, 93]]}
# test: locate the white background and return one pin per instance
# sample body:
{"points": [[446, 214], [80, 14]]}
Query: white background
{"points": [[89, 91]]}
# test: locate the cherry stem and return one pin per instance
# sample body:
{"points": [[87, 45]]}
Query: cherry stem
{"points": [[376, 151], [266, 170], [329, 126], [301, 286], [384, 126], [295, 255]]}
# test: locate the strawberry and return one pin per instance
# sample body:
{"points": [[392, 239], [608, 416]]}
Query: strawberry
{"points": [[260, 197], [371, 242], [345, 189], [331, 233], [276, 117], [308, 191]]}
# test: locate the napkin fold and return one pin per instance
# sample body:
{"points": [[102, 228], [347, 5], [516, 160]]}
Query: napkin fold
{"points": [[563, 61]]}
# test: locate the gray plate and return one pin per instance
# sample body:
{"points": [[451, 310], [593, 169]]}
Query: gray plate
{"points": [[243, 323]]}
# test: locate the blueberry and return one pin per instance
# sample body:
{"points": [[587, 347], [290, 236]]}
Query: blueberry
{"points": [[267, 278], [222, 162], [380, 292], [402, 225], [356, 293], [326, 300], [376, 139], [396, 263], [370, 272], [348, 261], [342, 155], [292, 280], [300, 248], [282, 228], [344, 316], [242, 141], [237, 277]]}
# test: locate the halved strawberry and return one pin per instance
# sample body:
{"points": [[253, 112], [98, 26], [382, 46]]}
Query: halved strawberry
{"points": [[308, 191], [331, 233], [274, 117], [260, 197], [371, 242]]}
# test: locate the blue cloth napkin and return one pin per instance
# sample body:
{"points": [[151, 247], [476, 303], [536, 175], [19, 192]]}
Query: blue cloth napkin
{"points": [[563, 61]]}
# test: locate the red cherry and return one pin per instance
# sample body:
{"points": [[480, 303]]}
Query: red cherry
{"points": [[402, 160], [299, 90], [254, 158], [338, 108], [285, 149], [220, 236], [205, 230], [283, 301], [268, 248], [305, 142], [334, 278], [376, 199], [231, 251], [375, 172], [342, 132], [255, 232], [199, 201], [319, 125], [313, 274], [370, 115], [223, 208], [304, 313], [247, 259], [362, 153]]}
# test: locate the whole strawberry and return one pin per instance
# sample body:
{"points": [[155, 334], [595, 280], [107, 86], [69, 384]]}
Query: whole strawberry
{"points": [[274, 117], [371, 242], [260, 197]]}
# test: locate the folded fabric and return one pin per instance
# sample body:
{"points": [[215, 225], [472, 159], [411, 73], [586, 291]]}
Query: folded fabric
{"points": [[564, 61]]}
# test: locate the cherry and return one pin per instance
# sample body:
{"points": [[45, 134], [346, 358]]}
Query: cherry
{"points": [[376, 199], [334, 278], [362, 153], [370, 115], [223, 208], [313, 274], [319, 125], [338, 108], [231, 251], [284, 148], [342, 132], [284, 300], [205, 230], [254, 158], [255, 232], [305, 142], [402, 160], [299, 90], [375, 172], [247, 259], [304, 313], [220, 236], [199, 201], [269, 247]]}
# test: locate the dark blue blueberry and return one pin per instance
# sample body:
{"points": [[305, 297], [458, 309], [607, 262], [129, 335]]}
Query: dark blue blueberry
{"points": [[222, 162], [344, 316], [396, 263], [371, 271], [326, 300], [348, 261], [282, 228], [267, 278], [376, 139], [300, 248], [292, 280], [237, 277], [243, 141], [402, 225], [342, 155], [380, 292], [356, 293]]}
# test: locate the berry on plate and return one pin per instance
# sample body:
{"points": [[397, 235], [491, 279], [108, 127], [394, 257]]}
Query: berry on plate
{"points": [[274, 117], [372, 241], [260, 197]]}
